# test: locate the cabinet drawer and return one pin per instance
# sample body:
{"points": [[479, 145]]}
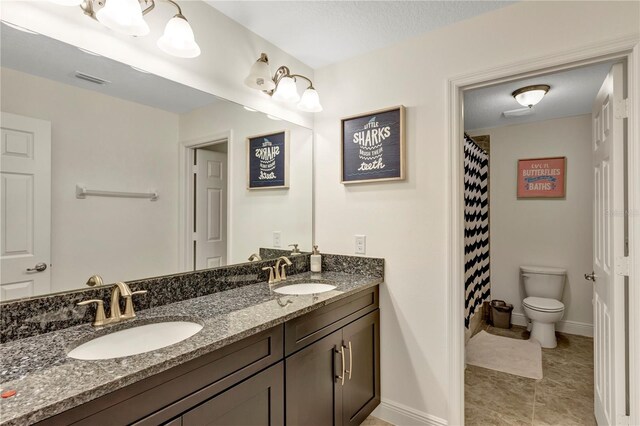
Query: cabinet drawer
{"points": [[302, 331], [154, 399]]}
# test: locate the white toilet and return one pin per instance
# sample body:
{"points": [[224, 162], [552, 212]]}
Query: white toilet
{"points": [[543, 287]]}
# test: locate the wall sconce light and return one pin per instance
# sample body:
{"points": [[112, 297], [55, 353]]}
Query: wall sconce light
{"points": [[530, 95], [282, 85], [127, 17]]}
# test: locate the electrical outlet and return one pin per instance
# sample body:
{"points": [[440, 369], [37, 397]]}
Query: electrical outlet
{"points": [[277, 239], [361, 244]]}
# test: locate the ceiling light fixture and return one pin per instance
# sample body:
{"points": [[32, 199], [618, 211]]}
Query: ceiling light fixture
{"points": [[127, 17], [530, 95], [282, 85]]}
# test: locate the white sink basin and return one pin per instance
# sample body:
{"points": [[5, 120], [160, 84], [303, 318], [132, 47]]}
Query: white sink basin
{"points": [[304, 288], [135, 340]]}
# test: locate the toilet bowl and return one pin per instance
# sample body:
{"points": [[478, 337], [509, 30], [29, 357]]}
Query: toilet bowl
{"points": [[544, 313], [543, 286]]}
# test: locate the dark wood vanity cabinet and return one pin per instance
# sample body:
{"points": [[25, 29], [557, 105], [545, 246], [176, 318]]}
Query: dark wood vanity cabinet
{"points": [[336, 380], [286, 375], [258, 401]]}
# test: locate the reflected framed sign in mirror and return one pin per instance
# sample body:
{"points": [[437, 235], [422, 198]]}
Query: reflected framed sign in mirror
{"points": [[133, 138], [268, 161]]}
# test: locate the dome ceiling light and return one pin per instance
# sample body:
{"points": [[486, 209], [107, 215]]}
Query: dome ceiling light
{"points": [[282, 85], [127, 17], [530, 95]]}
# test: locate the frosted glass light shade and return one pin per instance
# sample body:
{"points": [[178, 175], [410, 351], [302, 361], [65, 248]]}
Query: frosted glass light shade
{"points": [[531, 95], [67, 2], [260, 76], [287, 90], [178, 39], [123, 16], [310, 101]]}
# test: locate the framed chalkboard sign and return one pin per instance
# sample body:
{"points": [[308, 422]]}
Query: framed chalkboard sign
{"points": [[373, 147], [268, 161]]}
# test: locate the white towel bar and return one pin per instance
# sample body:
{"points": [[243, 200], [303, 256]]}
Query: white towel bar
{"points": [[82, 192]]}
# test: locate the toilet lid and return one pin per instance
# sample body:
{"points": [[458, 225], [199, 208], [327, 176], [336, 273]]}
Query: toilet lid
{"points": [[543, 304]]}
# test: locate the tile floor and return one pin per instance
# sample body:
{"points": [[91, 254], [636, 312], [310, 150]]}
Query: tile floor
{"points": [[374, 421], [564, 396]]}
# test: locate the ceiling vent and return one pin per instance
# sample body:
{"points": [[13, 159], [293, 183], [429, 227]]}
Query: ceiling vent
{"points": [[517, 112], [91, 78]]}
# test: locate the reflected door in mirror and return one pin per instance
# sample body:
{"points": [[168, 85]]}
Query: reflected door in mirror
{"points": [[211, 209], [25, 194]]}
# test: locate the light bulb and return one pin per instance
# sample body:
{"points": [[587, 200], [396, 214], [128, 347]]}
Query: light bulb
{"points": [[286, 90], [178, 39], [123, 16], [310, 101]]}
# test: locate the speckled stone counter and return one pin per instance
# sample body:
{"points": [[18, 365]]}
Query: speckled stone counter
{"points": [[48, 382]]}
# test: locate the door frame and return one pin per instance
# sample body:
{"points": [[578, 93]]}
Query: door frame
{"points": [[627, 48], [186, 194]]}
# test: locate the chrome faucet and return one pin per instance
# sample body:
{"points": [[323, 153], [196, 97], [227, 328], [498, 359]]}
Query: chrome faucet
{"points": [[278, 272], [119, 290]]}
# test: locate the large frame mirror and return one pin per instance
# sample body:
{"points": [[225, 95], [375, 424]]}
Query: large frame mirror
{"points": [[110, 170]]}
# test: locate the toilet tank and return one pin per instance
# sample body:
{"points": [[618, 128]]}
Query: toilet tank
{"points": [[543, 281]]}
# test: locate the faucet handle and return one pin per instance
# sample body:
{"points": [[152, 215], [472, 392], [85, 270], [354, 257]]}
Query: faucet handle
{"points": [[295, 250], [100, 316], [270, 269], [128, 307]]}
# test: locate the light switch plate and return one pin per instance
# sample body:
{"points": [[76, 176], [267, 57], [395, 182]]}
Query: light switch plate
{"points": [[361, 244], [277, 239]]}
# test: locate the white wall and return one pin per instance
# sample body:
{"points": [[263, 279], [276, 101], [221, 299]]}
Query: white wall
{"points": [[556, 232], [105, 143], [228, 49], [256, 214], [406, 222]]}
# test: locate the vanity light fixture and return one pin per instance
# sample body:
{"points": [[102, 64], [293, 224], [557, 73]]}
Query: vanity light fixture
{"points": [[282, 85], [127, 17], [530, 95]]}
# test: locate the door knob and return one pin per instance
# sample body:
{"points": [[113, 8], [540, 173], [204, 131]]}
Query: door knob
{"points": [[590, 277], [38, 268]]}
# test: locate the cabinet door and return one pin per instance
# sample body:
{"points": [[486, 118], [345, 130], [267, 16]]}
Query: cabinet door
{"points": [[361, 391], [313, 390], [257, 401]]}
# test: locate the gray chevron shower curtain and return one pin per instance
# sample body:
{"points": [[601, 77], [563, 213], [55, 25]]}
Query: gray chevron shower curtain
{"points": [[476, 228]]}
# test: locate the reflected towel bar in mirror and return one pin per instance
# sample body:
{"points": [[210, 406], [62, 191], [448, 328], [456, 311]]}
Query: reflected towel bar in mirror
{"points": [[82, 192]]}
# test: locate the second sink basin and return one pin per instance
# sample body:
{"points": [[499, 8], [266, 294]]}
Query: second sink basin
{"points": [[304, 288], [135, 340]]}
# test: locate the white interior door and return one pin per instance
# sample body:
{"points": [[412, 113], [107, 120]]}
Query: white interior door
{"points": [[608, 295], [25, 211], [211, 209]]}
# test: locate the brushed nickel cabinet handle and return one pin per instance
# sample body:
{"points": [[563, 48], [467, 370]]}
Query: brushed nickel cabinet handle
{"points": [[341, 352], [350, 361]]}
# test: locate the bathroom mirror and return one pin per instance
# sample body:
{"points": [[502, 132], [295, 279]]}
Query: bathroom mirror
{"points": [[110, 170]]}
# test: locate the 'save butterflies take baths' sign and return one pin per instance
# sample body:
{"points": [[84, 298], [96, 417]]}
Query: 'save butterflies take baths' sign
{"points": [[373, 146]]}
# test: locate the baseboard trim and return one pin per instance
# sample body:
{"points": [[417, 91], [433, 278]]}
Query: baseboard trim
{"points": [[568, 327], [401, 415]]}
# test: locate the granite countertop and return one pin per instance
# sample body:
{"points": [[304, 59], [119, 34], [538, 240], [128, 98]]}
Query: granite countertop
{"points": [[48, 382]]}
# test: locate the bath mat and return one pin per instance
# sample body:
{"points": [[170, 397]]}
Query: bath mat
{"points": [[513, 356]]}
